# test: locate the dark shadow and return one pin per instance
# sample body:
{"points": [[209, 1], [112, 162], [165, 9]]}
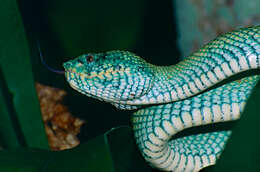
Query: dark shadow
{"points": [[8, 98], [221, 126], [157, 43], [37, 28]]}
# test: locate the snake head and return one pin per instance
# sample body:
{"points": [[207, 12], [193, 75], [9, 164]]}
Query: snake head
{"points": [[111, 76]]}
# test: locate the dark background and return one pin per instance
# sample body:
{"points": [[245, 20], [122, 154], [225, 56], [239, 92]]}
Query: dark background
{"points": [[66, 29]]}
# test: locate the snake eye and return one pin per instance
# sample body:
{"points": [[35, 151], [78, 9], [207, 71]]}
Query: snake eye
{"points": [[90, 58]]}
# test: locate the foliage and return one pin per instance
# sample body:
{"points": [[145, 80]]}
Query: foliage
{"points": [[21, 129], [21, 123]]}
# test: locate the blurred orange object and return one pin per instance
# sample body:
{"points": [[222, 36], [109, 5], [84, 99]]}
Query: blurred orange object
{"points": [[60, 126]]}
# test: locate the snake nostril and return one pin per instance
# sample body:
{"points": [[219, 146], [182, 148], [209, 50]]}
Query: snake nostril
{"points": [[80, 61]]}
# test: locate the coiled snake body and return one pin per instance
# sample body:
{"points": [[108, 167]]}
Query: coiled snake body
{"points": [[180, 96]]}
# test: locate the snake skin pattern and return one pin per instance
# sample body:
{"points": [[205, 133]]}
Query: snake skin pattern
{"points": [[180, 96]]}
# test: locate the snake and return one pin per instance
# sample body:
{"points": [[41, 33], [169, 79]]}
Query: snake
{"points": [[166, 100]]}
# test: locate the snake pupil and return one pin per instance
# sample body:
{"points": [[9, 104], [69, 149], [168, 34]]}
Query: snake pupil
{"points": [[90, 58]]}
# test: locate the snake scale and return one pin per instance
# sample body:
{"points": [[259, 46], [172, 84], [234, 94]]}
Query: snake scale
{"points": [[170, 99]]}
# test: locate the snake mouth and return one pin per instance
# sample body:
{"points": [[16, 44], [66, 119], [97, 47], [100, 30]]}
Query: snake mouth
{"points": [[70, 77], [74, 81]]}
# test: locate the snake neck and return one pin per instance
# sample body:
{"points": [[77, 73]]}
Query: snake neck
{"points": [[226, 56]]}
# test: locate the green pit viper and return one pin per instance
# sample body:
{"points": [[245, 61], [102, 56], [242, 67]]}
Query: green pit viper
{"points": [[173, 98]]}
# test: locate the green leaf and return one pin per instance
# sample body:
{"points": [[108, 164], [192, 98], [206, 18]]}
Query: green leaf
{"points": [[21, 123], [126, 157], [113, 151], [14, 169]]}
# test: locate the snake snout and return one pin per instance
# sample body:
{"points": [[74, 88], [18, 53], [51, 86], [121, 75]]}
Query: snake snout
{"points": [[66, 65]]}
